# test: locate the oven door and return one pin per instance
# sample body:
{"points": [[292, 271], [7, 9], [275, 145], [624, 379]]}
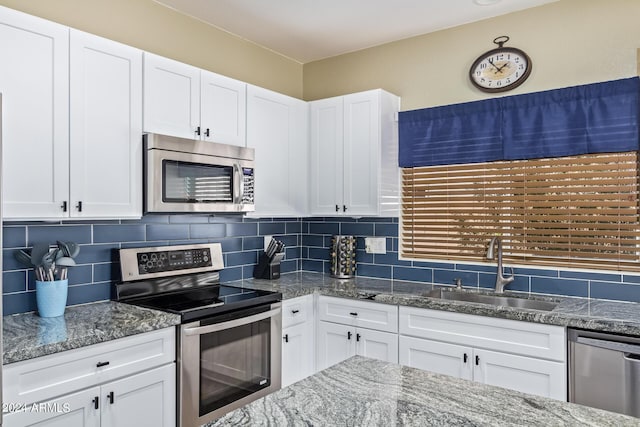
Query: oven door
{"points": [[189, 182], [228, 361]]}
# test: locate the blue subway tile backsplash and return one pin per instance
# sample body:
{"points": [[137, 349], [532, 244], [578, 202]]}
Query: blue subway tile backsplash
{"points": [[616, 291], [307, 243]]}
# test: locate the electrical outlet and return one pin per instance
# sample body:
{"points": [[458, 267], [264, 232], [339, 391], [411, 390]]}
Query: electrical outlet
{"points": [[375, 245]]}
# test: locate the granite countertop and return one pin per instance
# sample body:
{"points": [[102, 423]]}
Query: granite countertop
{"points": [[367, 392], [584, 313], [26, 336]]}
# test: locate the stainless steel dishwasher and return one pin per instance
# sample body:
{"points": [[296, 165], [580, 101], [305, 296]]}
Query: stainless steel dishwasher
{"points": [[604, 371]]}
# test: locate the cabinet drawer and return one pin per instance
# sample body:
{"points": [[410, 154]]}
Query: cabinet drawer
{"points": [[297, 310], [50, 376], [509, 336], [381, 317]]}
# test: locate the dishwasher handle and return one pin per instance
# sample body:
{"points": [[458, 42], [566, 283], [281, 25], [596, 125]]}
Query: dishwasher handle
{"points": [[631, 350]]}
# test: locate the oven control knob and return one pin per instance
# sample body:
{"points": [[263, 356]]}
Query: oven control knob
{"points": [[144, 258], [154, 257], [205, 258], [149, 264]]}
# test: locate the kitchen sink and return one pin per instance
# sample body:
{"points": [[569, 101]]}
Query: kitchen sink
{"points": [[449, 295]]}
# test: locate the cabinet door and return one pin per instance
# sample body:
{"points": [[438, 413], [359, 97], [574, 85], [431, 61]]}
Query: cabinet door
{"points": [[434, 356], [361, 152], [146, 399], [223, 109], [71, 410], [377, 345], [326, 157], [276, 129], [34, 82], [525, 374], [335, 344], [171, 97], [297, 353], [106, 128]]}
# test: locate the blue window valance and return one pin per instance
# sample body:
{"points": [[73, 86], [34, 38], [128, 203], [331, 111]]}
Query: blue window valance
{"points": [[594, 118]]}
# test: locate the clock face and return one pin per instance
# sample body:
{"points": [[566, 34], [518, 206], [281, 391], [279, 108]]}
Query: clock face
{"points": [[500, 70]]}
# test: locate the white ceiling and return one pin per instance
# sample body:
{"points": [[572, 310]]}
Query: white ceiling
{"points": [[309, 30]]}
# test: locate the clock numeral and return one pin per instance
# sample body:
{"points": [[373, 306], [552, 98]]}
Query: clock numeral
{"points": [[483, 66]]}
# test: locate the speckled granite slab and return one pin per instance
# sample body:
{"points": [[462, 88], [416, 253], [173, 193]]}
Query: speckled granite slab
{"points": [[367, 392], [26, 336], [600, 315]]}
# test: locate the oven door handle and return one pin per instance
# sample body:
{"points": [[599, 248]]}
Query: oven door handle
{"points": [[200, 330]]}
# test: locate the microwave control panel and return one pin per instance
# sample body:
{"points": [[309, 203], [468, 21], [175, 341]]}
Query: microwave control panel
{"points": [[155, 262], [248, 181]]}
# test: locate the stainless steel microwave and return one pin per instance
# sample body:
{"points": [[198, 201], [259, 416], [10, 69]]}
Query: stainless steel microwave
{"points": [[185, 175]]}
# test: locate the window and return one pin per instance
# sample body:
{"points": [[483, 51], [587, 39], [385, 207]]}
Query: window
{"points": [[579, 211]]}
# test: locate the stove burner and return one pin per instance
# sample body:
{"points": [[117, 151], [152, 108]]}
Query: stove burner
{"points": [[204, 301]]}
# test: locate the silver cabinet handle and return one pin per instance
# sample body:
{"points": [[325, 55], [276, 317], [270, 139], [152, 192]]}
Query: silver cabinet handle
{"points": [[200, 330]]}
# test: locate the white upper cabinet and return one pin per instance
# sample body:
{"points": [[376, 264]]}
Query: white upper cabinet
{"points": [[106, 128], [185, 101], [223, 109], [34, 82], [326, 166], [171, 97], [277, 130], [72, 122], [354, 155]]}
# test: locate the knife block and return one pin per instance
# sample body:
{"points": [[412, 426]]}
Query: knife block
{"points": [[268, 268]]}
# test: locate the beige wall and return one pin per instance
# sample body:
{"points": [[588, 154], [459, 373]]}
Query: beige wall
{"points": [[155, 28], [570, 42]]}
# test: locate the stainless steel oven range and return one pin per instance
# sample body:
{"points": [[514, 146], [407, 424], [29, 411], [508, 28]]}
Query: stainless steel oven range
{"points": [[229, 344]]}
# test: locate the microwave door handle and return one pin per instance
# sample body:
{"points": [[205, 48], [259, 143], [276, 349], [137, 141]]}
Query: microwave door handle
{"points": [[201, 330], [237, 172]]}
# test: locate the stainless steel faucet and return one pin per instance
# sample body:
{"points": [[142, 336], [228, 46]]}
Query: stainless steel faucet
{"points": [[501, 281]]}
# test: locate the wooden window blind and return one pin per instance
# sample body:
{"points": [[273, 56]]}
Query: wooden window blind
{"points": [[580, 211]]}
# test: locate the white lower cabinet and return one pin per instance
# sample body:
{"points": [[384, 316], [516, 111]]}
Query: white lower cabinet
{"points": [[350, 327], [338, 342], [298, 339], [442, 358], [72, 410], [525, 374], [126, 382], [516, 355], [146, 399], [335, 343]]}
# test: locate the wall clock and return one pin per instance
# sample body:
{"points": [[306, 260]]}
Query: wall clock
{"points": [[500, 69]]}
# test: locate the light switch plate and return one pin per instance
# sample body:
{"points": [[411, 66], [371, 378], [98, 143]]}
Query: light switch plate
{"points": [[375, 245]]}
